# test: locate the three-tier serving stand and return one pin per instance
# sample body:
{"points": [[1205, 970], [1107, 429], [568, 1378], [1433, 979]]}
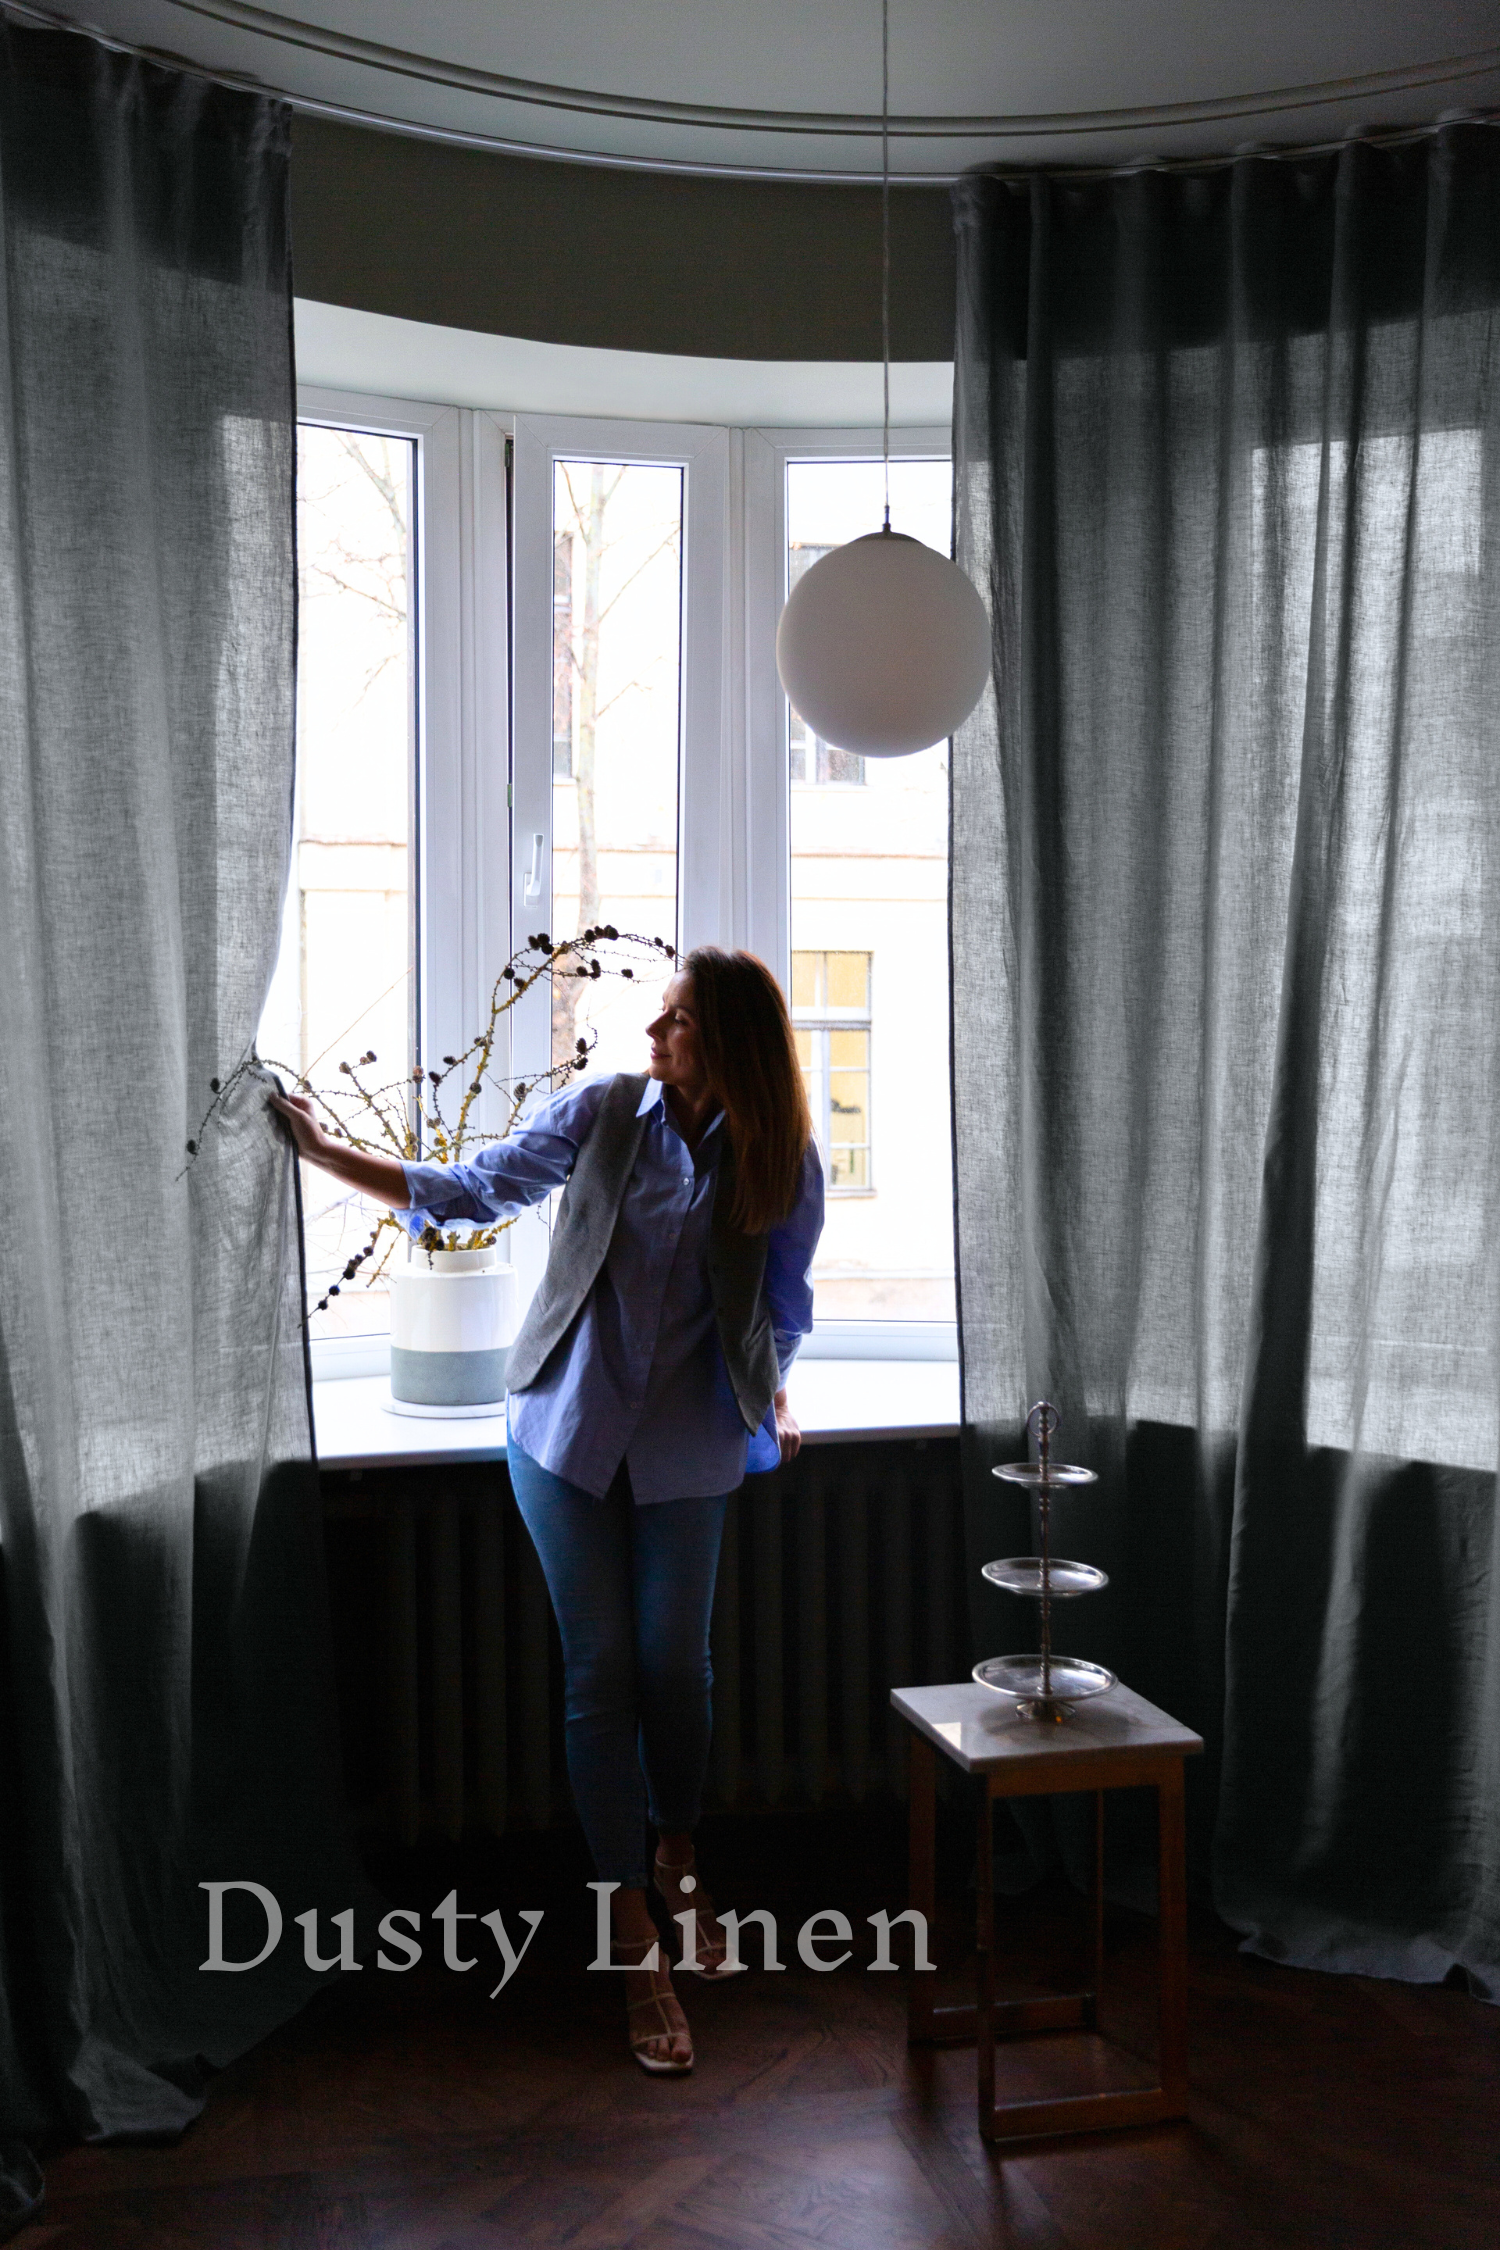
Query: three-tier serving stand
{"points": [[1046, 1687]]}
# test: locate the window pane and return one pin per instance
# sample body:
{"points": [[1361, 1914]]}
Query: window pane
{"points": [[811, 758], [848, 1167], [342, 981], [617, 642], [805, 993], [562, 654], [812, 1049], [848, 1108], [846, 1102], [849, 980], [869, 892]]}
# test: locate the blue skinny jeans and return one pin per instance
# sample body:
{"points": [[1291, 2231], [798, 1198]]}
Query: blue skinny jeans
{"points": [[632, 1589]]}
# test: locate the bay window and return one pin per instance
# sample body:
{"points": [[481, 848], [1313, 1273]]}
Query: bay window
{"points": [[538, 693]]}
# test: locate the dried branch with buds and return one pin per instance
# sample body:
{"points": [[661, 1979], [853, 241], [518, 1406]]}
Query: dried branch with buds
{"points": [[410, 1118]]}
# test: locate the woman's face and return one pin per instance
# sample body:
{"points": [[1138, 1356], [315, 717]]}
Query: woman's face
{"points": [[676, 1058]]}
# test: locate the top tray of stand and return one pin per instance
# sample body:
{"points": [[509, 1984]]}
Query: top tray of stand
{"points": [[1022, 1574], [1033, 1474]]}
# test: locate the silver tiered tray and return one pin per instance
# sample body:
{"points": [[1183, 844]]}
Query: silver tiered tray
{"points": [[1022, 1574], [1045, 1686]]}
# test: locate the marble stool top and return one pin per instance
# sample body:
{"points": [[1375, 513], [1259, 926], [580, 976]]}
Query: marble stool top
{"points": [[982, 1732]]}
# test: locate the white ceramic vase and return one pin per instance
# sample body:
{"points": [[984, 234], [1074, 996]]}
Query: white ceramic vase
{"points": [[454, 1317]]}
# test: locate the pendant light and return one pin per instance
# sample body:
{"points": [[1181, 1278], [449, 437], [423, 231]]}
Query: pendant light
{"points": [[884, 646]]}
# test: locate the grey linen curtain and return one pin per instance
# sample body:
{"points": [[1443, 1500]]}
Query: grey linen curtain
{"points": [[165, 1709], [1226, 947]]}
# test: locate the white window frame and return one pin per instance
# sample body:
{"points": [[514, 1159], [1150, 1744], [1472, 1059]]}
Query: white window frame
{"points": [[484, 726], [768, 789], [462, 645], [702, 453]]}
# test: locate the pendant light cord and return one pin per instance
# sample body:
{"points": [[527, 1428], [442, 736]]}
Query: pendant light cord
{"points": [[885, 242]]}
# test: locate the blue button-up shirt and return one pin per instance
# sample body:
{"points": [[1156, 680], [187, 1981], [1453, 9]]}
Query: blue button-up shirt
{"points": [[640, 1376]]}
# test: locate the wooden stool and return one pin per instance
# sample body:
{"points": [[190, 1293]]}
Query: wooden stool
{"points": [[1115, 1741]]}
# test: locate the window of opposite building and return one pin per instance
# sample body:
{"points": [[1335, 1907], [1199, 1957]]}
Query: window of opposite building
{"points": [[831, 1019]]}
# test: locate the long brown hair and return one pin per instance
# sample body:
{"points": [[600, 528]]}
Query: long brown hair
{"points": [[750, 1059]]}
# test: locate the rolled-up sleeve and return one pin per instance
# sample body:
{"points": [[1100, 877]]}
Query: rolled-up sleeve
{"points": [[508, 1176], [789, 1255]]}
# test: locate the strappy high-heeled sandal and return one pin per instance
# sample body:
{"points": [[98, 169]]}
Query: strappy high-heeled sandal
{"points": [[645, 2030], [709, 1949]]}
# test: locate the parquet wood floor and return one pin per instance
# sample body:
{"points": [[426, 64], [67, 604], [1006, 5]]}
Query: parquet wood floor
{"points": [[411, 2113]]}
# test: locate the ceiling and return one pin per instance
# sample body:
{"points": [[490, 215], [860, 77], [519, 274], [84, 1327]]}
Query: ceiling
{"points": [[792, 87]]}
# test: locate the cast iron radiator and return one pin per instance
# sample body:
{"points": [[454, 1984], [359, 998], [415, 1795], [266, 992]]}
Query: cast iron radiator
{"points": [[841, 1577]]}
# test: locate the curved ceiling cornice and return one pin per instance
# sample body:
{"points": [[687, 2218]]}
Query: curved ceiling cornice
{"points": [[1204, 80]]}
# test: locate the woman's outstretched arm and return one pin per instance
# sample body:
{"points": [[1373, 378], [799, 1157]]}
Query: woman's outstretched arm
{"points": [[382, 1178]]}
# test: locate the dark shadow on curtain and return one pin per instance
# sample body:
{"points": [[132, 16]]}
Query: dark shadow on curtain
{"points": [[1226, 1015], [166, 1713]]}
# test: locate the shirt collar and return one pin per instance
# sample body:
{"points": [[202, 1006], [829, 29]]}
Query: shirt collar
{"points": [[654, 1098]]}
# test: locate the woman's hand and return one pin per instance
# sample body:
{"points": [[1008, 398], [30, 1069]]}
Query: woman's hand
{"points": [[789, 1435], [381, 1178], [302, 1123]]}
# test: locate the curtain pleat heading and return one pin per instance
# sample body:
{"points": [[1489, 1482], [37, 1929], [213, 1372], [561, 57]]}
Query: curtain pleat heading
{"points": [[165, 1708], [1226, 989]]}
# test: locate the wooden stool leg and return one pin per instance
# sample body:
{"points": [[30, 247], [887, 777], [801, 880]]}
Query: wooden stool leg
{"points": [[922, 1876], [984, 1884], [1097, 1903], [1172, 1847]]}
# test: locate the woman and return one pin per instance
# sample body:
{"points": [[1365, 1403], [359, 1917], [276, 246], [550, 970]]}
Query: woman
{"points": [[648, 1375]]}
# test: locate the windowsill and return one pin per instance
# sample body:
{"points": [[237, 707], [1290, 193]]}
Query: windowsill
{"points": [[345, 1358], [835, 1400]]}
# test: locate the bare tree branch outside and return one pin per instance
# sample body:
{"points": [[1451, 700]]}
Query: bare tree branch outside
{"points": [[616, 654]]}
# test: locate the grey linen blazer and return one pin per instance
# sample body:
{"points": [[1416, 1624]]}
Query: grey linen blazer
{"points": [[580, 1243]]}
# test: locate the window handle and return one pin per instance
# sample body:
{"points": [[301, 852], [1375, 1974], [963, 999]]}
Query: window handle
{"points": [[533, 885]]}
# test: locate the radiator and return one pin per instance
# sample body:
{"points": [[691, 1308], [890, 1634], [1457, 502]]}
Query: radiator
{"points": [[841, 1577]]}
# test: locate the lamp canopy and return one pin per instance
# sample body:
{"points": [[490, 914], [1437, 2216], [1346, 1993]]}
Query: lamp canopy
{"points": [[884, 646]]}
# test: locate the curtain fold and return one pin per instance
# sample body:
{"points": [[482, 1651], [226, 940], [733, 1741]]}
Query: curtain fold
{"points": [[165, 1702], [1226, 954]]}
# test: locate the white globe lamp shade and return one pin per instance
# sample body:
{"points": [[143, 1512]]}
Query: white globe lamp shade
{"points": [[884, 646]]}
